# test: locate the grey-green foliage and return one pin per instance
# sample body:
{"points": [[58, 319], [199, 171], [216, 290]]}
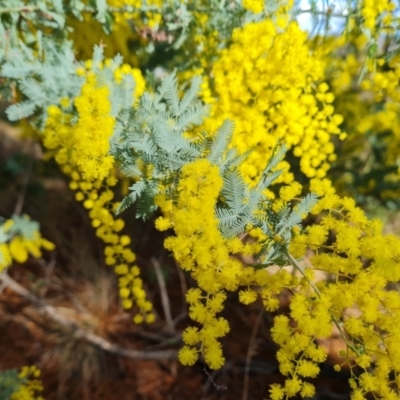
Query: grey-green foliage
{"points": [[22, 22], [46, 79], [241, 201], [280, 224], [244, 205], [42, 64], [18, 16], [22, 226], [154, 135], [9, 383], [121, 94], [43, 78]]}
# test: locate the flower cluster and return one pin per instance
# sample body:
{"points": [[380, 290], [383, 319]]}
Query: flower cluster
{"points": [[382, 119], [361, 263], [275, 95], [255, 6], [20, 238], [377, 15], [150, 18], [370, 106], [97, 198], [82, 150], [86, 144], [200, 248], [31, 386]]}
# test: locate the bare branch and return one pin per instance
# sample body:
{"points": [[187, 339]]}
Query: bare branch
{"points": [[80, 333], [164, 295], [21, 195], [250, 352]]}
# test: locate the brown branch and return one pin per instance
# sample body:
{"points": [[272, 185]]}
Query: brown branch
{"points": [[22, 193], [164, 295], [250, 351], [80, 333], [211, 379], [184, 288]]}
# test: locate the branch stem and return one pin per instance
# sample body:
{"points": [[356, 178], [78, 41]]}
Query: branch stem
{"points": [[80, 333]]}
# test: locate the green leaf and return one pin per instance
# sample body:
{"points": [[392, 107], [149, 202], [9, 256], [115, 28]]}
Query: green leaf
{"points": [[233, 190], [221, 141], [101, 6], [20, 110]]}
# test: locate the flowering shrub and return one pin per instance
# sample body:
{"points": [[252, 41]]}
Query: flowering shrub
{"points": [[369, 158], [229, 164], [22, 385], [19, 238]]}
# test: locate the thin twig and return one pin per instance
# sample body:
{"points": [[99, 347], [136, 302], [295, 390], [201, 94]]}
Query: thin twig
{"points": [[325, 13], [210, 378], [22, 192], [79, 333], [250, 354], [49, 268], [164, 295], [182, 316], [166, 343], [184, 288], [151, 337]]}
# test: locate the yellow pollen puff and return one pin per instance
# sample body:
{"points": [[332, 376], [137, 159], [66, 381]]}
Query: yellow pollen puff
{"points": [[118, 225], [138, 319], [80, 71], [88, 204], [162, 223], [79, 196], [125, 240]]}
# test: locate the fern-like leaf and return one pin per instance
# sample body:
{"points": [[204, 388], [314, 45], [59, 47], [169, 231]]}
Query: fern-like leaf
{"points": [[191, 94], [269, 179], [21, 110], [32, 90], [130, 170], [145, 145], [145, 207], [233, 190], [221, 141], [226, 217], [137, 190], [98, 56], [233, 230], [302, 208], [24, 226], [169, 88], [192, 116], [277, 156]]}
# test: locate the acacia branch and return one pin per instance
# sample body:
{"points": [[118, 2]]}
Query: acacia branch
{"points": [[80, 333]]}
